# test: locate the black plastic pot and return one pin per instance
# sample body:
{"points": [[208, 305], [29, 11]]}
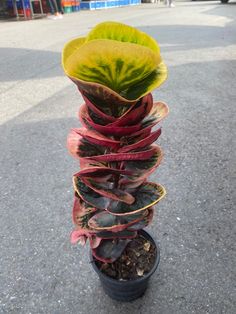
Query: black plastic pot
{"points": [[131, 289]]}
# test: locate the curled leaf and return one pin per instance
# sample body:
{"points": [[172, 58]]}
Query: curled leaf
{"points": [[125, 63], [105, 221], [123, 33], [119, 71], [147, 195]]}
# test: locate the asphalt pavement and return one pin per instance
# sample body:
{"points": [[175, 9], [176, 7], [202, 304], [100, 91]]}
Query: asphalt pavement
{"points": [[40, 271]]}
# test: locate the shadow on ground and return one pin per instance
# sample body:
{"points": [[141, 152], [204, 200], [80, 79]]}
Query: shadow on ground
{"points": [[27, 64], [35, 64]]}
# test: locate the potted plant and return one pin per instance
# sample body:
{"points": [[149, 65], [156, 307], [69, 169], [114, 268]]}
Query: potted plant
{"points": [[115, 67]]}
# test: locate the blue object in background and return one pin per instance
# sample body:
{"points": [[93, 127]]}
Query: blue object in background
{"points": [[95, 5]]}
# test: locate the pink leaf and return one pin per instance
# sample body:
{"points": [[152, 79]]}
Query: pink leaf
{"points": [[143, 143], [107, 130], [97, 111], [124, 156], [79, 235], [136, 113], [94, 241], [97, 138], [111, 193]]}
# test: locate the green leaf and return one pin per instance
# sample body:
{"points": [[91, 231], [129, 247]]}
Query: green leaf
{"points": [[144, 222], [105, 221], [109, 250], [92, 137], [105, 95], [147, 195], [148, 83], [106, 189], [127, 234], [159, 111], [114, 64], [124, 33], [109, 104], [143, 168], [88, 149], [90, 196], [82, 212]]}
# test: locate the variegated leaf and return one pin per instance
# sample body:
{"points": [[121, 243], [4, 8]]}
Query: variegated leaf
{"points": [[135, 113], [117, 65], [96, 173], [79, 146], [107, 190], [82, 212], [105, 221], [159, 111], [139, 144], [141, 169], [90, 196], [144, 222], [109, 129], [94, 138], [125, 234], [109, 250], [146, 195], [100, 108], [139, 155]]}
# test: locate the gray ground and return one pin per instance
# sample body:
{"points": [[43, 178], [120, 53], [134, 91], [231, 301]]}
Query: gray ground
{"points": [[195, 225]]}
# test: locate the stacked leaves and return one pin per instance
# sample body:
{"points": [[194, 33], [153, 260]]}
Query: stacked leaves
{"points": [[115, 67]]}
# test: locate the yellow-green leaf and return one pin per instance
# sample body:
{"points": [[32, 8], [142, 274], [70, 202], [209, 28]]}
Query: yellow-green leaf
{"points": [[149, 83], [70, 48], [124, 33], [117, 65]]}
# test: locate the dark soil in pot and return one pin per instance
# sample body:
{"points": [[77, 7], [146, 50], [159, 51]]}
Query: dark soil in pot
{"points": [[127, 278], [137, 259]]}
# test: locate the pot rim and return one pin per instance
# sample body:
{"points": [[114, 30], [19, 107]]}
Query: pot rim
{"points": [[144, 277]]}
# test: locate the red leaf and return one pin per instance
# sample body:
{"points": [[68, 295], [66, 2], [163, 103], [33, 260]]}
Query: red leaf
{"points": [[143, 143], [94, 241], [79, 146], [111, 193], [79, 235], [109, 250], [107, 130], [89, 196], [159, 111], [82, 236], [144, 222], [97, 110], [142, 133], [143, 155], [81, 211], [141, 169], [97, 138], [136, 113], [102, 92], [73, 142], [146, 196], [93, 172], [105, 221]]}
